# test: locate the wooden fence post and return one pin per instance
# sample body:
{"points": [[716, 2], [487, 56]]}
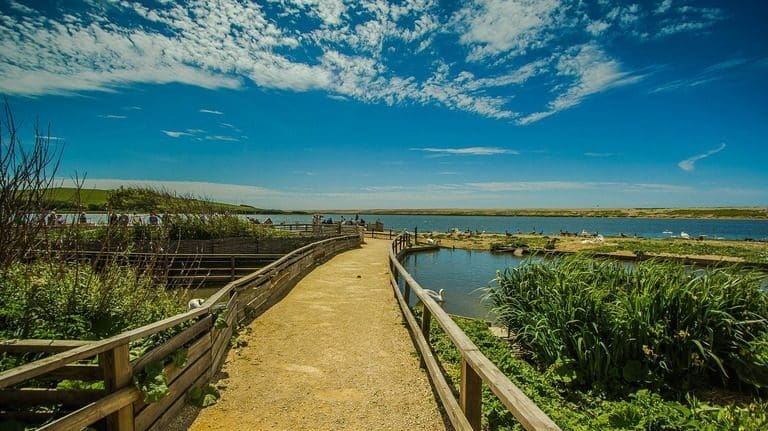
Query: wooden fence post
{"points": [[426, 316], [232, 268], [116, 365], [471, 395]]}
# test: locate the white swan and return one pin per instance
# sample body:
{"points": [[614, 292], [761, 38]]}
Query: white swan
{"points": [[684, 235], [437, 296], [195, 303]]}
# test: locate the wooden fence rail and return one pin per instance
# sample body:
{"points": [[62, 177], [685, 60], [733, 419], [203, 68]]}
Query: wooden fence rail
{"points": [[476, 370], [204, 332]]}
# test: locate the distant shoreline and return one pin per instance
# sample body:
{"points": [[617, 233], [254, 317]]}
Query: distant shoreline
{"points": [[751, 213]]}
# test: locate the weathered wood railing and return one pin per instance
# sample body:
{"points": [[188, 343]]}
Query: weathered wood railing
{"points": [[476, 369], [120, 403]]}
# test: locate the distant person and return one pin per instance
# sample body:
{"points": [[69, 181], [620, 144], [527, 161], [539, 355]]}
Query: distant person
{"points": [[123, 219], [52, 218], [82, 219], [60, 220], [136, 220], [268, 221], [153, 219], [112, 220]]}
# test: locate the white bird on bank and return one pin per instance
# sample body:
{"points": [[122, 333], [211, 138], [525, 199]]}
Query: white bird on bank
{"points": [[195, 303], [685, 235], [437, 296]]}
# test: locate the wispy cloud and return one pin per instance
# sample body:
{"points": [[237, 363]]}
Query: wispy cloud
{"points": [[175, 134], [132, 108], [689, 163], [222, 138], [342, 48], [468, 151], [113, 116], [714, 72]]}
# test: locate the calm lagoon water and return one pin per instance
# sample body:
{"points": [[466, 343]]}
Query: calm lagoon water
{"points": [[649, 228], [462, 273], [645, 227]]}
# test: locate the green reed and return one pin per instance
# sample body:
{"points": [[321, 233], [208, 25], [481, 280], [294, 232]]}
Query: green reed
{"points": [[655, 325]]}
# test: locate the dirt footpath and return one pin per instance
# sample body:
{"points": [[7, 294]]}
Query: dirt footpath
{"points": [[332, 355]]}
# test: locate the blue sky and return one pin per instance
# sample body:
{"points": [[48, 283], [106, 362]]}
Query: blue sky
{"points": [[411, 104]]}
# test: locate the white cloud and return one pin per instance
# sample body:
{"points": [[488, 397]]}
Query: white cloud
{"points": [[493, 27], [113, 116], [223, 138], [711, 73], [689, 163], [210, 111], [468, 151], [593, 72], [175, 134], [363, 50]]}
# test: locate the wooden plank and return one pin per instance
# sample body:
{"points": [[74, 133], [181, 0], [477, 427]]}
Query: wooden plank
{"points": [[161, 424], [116, 364], [219, 353], [17, 398], [170, 346], [444, 391], [176, 389], [471, 395], [94, 411], [58, 360], [75, 372], [198, 349], [524, 410], [40, 346]]}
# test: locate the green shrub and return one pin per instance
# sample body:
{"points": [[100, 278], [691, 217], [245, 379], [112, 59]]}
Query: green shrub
{"points": [[66, 301], [657, 325], [574, 410]]}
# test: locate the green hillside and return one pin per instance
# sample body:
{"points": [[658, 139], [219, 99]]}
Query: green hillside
{"points": [[137, 199]]}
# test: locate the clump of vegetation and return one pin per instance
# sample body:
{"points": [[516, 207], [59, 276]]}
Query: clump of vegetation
{"points": [[576, 410], [57, 300], [658, 326]]}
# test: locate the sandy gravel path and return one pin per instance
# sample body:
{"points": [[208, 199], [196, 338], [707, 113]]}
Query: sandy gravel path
{"points": [[332, 355]]}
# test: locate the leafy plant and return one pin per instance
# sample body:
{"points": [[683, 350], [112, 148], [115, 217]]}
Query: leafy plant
{"points": [[204, 396], [152, 382], [657, 325]]}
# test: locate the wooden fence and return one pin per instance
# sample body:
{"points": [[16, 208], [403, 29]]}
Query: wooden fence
{"points": [[205, 332], [476, 369]]}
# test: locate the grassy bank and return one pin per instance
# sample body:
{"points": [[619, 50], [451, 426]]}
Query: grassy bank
{"points": [[712, 213], [736, 251]]}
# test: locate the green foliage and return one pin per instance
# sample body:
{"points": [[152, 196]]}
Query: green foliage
{"points": [[204, 396], [152, 382], [80, 385], [202, 226], [654, 326], [574, 410], [179, 357], [60, 300]]}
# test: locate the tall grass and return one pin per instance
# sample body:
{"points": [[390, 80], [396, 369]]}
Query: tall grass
{"points": [[658, 325]]}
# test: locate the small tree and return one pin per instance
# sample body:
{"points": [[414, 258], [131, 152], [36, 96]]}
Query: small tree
{"points": [[27, 173]]}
